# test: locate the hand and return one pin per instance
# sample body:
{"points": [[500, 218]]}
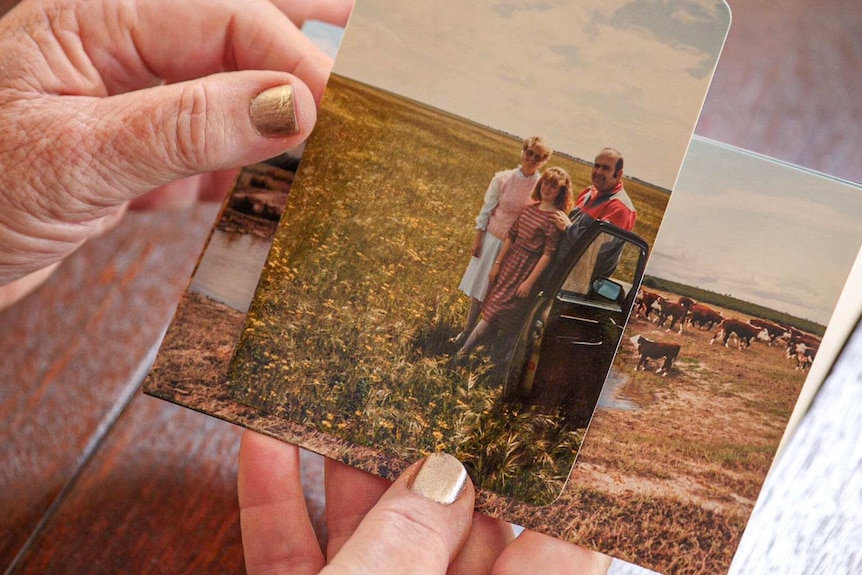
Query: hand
{"points": [[476, 248], [495, 271], [561, 220], [375, 526], [524, 289], [106, 105]]}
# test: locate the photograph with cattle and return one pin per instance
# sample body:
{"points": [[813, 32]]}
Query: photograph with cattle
{"points": [[458, 259], [739, 289]]}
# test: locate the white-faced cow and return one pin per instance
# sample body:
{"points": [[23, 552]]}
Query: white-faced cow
{"points": [[703, 316], [775, 331], [800, 347], [655, 350], [803, 354], [644, 301], [800, 337], [676, 311], [744, 332]]}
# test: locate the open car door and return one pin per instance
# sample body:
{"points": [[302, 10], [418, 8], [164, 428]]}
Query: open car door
{"points": [[568, 340]]}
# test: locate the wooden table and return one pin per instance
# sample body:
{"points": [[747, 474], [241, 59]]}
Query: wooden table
{"points": [[97, 478]]}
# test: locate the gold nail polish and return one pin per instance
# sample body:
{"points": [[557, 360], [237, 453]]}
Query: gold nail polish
{"points": [[441, 478], [273, 112]]}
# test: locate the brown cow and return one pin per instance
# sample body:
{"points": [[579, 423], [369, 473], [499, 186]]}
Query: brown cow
{"points": [[774, 330], [703, 316], [644, 301], [807, 339], [674, 310], [804, 356], [798, 336], [655, 350], [804, 344], [745, 333], [686, 301]]}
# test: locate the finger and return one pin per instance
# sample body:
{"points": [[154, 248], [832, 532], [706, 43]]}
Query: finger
{"points": [[277, 535], [419, 524], [331, 11], [170, 132], [487, 539], [350, 495], [124, 46], [556, 557]]}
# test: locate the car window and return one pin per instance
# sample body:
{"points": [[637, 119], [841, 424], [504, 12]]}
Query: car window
{"points": [[581, 276], [608, 257]]}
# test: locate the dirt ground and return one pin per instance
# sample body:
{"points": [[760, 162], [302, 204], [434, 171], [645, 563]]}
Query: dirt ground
{"points": [[715, 420]]}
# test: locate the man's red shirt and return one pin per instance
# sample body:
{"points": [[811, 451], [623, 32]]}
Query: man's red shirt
{"points": [[619, 210]]}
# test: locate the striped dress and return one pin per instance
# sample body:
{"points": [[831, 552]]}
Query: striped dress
{"points": [[533, 234]]}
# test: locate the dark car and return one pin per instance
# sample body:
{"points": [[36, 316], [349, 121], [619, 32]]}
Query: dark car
{"points": [[568, 340]]}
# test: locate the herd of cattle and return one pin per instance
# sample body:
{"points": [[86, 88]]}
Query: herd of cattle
{"points": [[685, 311]]}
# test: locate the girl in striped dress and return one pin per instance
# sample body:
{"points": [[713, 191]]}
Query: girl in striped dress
{"points": [[507, 195], [524, 255]]}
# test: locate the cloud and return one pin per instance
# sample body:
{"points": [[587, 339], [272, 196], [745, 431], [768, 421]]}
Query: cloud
{"points": [[759, 230], [573, 71]]}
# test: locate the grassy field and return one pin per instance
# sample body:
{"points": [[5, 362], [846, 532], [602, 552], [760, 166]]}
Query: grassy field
{"points": [[349, 332]]}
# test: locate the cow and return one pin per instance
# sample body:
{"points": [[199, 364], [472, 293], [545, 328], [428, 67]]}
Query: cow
{"points": [[803, 354], [686, 301], [745, 333], [674, 310], [775, 331], [644, 301], [809, 342], [798, 337], [655, 350], [703, 316], [794, 332], [807, 339]]}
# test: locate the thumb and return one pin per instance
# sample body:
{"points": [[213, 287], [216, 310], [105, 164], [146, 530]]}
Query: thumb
{"points": [[75, 161], [168, 132], [418, 526]]}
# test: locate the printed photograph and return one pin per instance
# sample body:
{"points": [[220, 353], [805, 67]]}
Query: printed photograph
{"points": [[748, 265], [469, 226]]}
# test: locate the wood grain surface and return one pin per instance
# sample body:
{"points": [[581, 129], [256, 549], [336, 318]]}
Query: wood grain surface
{"points": [[97, 478], [76, 351], [154, 498]]}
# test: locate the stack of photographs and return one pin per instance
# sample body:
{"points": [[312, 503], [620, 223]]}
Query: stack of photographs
{"points": [[620, 380]]}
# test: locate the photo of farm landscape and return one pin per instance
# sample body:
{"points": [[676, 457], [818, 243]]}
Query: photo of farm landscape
{"points": [[351, 327], [672, 464]]}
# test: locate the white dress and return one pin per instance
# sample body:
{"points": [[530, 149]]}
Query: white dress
{"points": [[506, 197]]}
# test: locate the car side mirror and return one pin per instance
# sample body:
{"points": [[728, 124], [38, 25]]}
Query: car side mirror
{"points": [[608, 289]]}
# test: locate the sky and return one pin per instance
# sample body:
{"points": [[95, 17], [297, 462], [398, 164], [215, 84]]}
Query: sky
{"points": [[761, 231], [583, 74]]}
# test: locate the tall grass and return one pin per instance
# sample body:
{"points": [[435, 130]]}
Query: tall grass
{"points": [[350, 327]]}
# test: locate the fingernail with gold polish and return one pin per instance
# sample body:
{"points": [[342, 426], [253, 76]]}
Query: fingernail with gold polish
{"points": [[441, 478], [273, 112]]}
